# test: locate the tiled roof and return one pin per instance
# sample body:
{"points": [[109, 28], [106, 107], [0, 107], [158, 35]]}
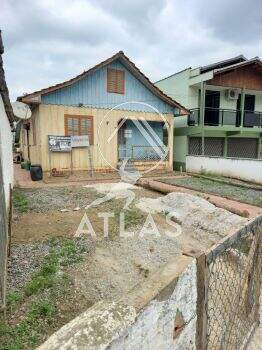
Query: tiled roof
{"points": [[224, 63], [3, 87], [130, 65]]}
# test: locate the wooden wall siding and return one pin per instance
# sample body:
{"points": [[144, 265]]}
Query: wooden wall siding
{"points": [[245, 77], [115, 81], [92, 91], [51, 122]]}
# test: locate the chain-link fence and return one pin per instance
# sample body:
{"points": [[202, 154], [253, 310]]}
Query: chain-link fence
{"points": [[234, 270]]}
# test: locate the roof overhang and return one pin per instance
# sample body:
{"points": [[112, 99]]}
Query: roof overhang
{"points": [[224, 63], [256, 63], [3, 88], [35, 97]]}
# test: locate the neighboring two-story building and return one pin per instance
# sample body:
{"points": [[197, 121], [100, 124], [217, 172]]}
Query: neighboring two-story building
{"points": [[115, 104], [225, 103]]}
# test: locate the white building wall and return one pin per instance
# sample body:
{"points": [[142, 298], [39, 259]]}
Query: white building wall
{"points": [[114, 326], [154, 327], [245, 169], [6, 151]]}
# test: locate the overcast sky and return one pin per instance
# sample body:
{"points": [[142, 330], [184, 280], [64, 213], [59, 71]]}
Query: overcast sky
{"points": [[49, 41]]}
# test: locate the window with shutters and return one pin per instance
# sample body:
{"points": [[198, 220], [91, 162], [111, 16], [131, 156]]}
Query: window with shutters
{"points": [[115, 81], [79, 125]]}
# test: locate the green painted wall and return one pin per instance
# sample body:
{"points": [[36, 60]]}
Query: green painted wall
{"points": [[177, 87], [181, 144], [180, 148]]}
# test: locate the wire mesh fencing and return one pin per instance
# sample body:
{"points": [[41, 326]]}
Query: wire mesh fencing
{"points": [[234, 270], [143, 153], [233, 147]]}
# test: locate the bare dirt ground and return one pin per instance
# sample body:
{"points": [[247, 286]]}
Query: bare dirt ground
{"points": [[53, 275], [66, 274]]}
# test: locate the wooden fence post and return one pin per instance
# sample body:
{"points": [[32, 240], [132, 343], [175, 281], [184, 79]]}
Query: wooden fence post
{"points": [[202, 286]]}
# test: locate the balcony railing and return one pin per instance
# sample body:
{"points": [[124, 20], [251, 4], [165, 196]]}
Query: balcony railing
{"points": [[225, 117]]}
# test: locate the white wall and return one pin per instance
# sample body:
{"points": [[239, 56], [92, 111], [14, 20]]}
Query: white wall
{"points": [[6, 151], [154, 326], [115, 326], [246, 169]]}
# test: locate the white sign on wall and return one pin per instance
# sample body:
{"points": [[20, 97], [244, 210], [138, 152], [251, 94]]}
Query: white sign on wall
{"points": [[59, 143], [79, 141]]}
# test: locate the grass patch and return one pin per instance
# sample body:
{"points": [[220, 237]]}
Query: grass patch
{"points": [[28, 332], [36, 304], [65, 255], [70, 253], [238, 193], [13, 300], [20, 201], [42, 308], [134, 217], [46, 277]]}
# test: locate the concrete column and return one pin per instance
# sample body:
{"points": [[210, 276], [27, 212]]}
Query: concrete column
{"points": [[242, 106], [225, 147], [202, 115], [171, 143], [259, 155]]}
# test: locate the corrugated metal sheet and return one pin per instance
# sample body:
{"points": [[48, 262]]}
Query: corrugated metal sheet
{"points": [[92, 91]]}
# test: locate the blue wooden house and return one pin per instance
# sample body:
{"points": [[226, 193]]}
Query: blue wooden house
{"points": [[116, 105]]}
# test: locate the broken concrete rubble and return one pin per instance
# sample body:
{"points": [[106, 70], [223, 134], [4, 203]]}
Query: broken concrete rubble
{"points": [[198, 218]]}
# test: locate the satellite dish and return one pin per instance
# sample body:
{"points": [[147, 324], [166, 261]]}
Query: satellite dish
{"points": [[21, 110]]}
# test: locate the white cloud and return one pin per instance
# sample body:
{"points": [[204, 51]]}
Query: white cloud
{"points": [[50, 41]]}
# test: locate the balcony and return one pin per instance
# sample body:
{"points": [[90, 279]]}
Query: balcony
{"points": [[225, 117]]}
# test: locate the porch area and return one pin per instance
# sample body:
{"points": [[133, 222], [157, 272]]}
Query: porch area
{"points": [[145, 144]]}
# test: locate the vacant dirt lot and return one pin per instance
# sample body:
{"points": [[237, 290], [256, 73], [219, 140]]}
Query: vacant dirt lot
{"points": [[55, 275]]}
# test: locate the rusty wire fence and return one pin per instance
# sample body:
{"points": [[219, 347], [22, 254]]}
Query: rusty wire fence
{"points": [[232, 288]]}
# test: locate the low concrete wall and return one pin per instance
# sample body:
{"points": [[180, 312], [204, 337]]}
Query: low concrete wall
{"points": [[245, 169], [160, 314]]}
